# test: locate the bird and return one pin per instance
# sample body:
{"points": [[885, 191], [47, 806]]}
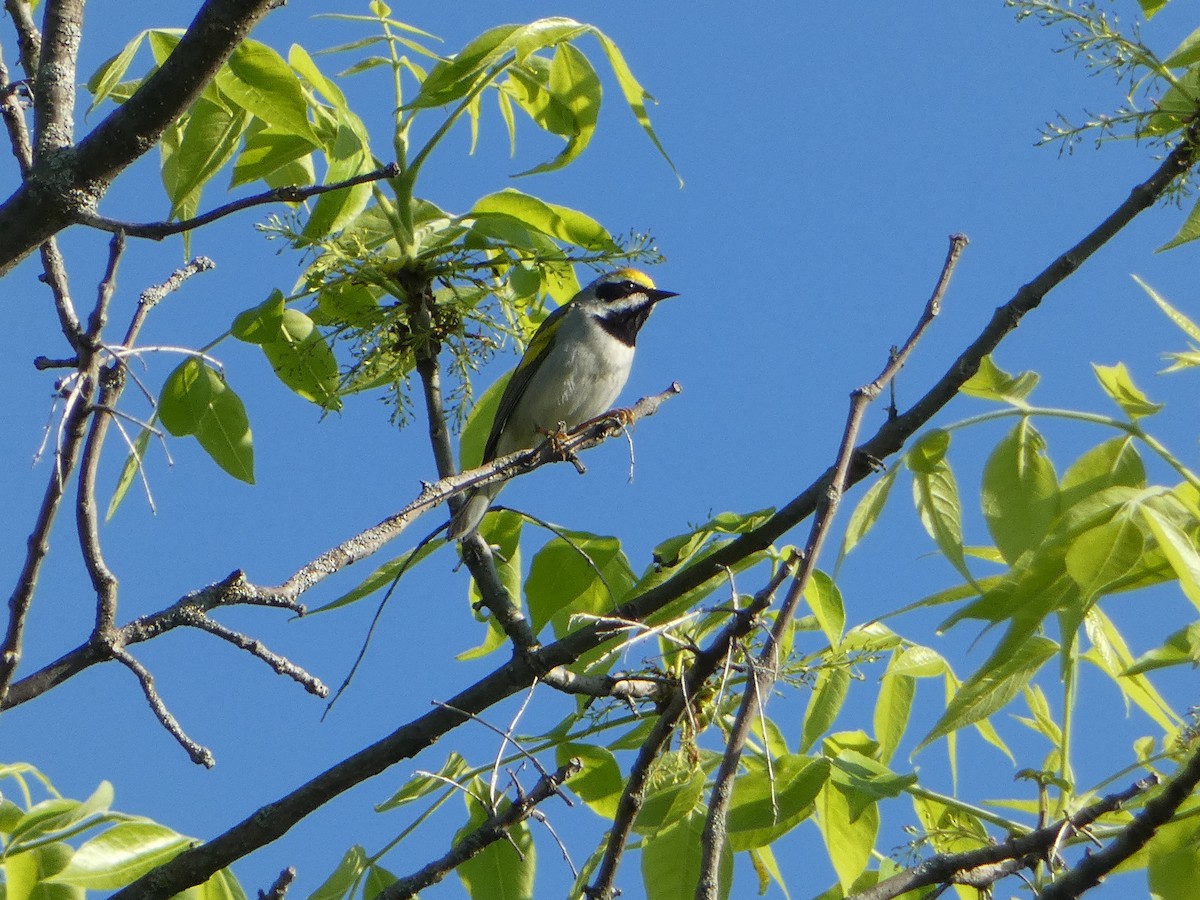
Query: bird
{"points": [[572, 371]]}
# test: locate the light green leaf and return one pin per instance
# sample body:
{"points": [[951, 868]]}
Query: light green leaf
{"points": [[122, 854], [453, 770], [575, 87], [306, 67], [59, 814], [1020, 491], [1188, 231], [1016, 660], [1111, 655], [766, 804], [990, 382], [349, 155], [261, 82], [296, 350], [479, 424], [893, 706], [950, 829], [866, 513], [600, 783], [825, 600], [1151, 7], [1103, 555], [577, 573], [209, 140], [673, 791], [501, 528], [935, 493], [1118, 384], [849, 837], [196, 400], [671, 861], [503, 869], [559, 222], [823, 707], [341, 882], [133, 464], [1186, 325], [112, 70], [1115, 462], [1181, 648], [267, 151], [1178, 548], [26, 874]]}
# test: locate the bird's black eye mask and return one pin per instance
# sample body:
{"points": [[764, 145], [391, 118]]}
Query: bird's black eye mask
{"points": [[615, 290]]}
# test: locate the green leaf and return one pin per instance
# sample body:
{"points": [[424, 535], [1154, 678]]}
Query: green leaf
{"points": [[133, 465], [453, 770], [673, 791], [600, 783], [112, 70], [1103, 555], [1181, 648], [1180, 552], [503, 869], [575, 89], [1188, 232], [377, 879], [866, 513], [121, 855], [349, 155], [893, 706], [990, 382], [826, 702], [59, 814], [343, 879], [1151, 7], [849, 838], [26, 874], [1186, 325], [1118, 384], [935, 493], [382, 577], [306, 67], [261, 82], [671, 861], [1015, 661], [1020, 491], [1115, 462], [559, 222], [577, 573], [209, 140], [196, 400], [266, 151], [950, 829], [825, 600], [768, 803], [296, 350], [1111, 655], [479, 424], [502, 530]]}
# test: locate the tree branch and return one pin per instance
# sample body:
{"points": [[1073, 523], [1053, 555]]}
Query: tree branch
{"points": [[54, 91], [157, 231], [762, 680], [495, 828], [72, 180], [272, 821]]}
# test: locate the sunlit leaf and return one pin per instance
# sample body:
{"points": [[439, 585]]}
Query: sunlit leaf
{"points": [[196, 400], [1020, 491], [1118, 384]]}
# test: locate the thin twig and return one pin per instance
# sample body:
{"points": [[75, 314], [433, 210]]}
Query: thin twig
{"points": [[279, 889], [495, 828], [199, 754], [765, 670], [157, 231], [280, 664]]}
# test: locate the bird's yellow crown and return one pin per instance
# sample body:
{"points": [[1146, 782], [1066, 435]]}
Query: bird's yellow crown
{"points": [[631, 274]]}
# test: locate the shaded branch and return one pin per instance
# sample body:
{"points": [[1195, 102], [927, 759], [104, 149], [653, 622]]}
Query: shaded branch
{"points": [[54, 89], [763, 677], [494, 829], [985, 865]]}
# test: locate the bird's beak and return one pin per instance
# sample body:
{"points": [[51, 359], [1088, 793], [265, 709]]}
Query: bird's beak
{"points": [[656, 295]]}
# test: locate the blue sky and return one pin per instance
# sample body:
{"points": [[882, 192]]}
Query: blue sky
{"points": [[827, 152]]}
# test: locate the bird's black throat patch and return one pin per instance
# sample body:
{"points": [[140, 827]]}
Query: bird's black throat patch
{"points": [[625, 324]]}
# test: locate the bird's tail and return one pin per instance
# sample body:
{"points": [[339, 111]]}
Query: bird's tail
{"points": [[470, 514]]}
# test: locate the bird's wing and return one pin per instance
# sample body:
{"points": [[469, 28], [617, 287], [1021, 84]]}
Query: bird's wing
{"points": [[535, 354]]}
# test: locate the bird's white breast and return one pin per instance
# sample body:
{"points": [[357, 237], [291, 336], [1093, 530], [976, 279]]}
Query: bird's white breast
{"points": [[580, 379]]}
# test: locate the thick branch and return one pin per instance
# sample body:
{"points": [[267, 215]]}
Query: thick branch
{"points": [[54, 93], [72, 180]]}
